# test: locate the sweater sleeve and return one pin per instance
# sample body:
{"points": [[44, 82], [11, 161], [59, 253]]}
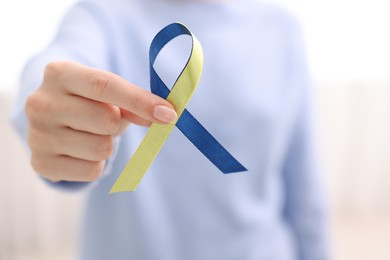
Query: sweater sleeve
{"points": [[305, 205], [81, 37]]}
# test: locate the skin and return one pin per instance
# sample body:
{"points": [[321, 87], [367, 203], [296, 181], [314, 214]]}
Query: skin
{"points": [[75, 114]]}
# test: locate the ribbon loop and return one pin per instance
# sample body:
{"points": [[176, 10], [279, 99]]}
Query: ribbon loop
{"points": [[179, 97]]}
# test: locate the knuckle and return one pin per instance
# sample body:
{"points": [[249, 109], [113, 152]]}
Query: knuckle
{"points": [[95, 171], [37, 104], [54, 69], [41, 166], [100, 83], [111, 120], [106, 147], [33, 104], [138, 102], [41, 137]]}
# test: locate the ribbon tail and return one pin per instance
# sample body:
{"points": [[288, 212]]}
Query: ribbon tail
{"points": [[142, 158], [207, 144]]}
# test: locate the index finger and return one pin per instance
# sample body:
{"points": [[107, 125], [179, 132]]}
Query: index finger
{"points": [[109, 88]]}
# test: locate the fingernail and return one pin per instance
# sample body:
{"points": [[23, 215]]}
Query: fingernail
{"points": [[164, 114]]}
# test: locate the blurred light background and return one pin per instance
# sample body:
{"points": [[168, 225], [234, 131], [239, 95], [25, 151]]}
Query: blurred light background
{"points": [[348, 46]]}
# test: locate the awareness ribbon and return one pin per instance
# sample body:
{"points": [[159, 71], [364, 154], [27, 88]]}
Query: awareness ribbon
{"points": [[179, 97]]}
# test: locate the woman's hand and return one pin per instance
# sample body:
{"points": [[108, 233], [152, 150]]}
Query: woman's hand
{"points": [[75, 114]]}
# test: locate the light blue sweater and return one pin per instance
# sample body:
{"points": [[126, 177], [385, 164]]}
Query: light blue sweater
{"points": [[253, 97]]}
